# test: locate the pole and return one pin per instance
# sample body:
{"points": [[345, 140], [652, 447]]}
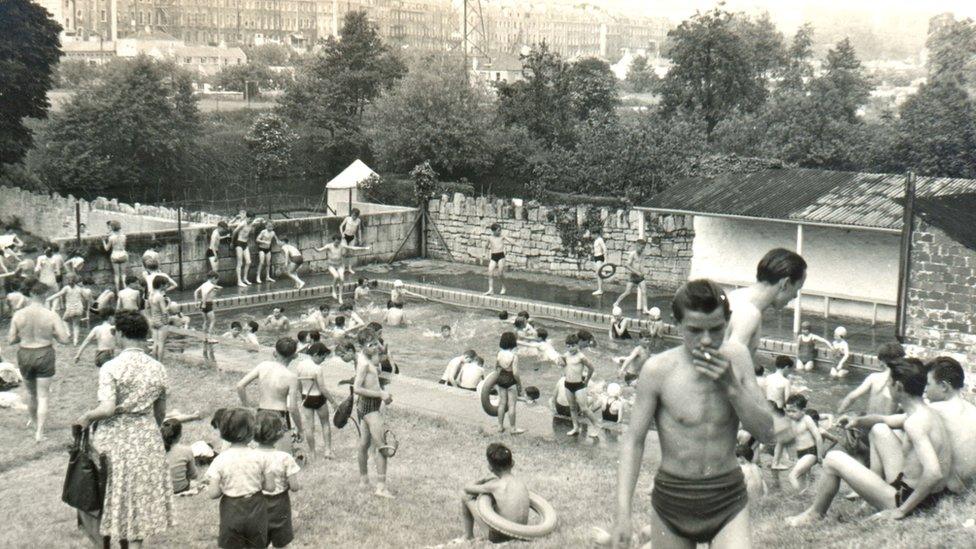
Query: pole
{"points": [[797, 309], [78, 223], [413, 227], [179, 243], [423, 231], [464, 39], [904, 265], [350, 200]]}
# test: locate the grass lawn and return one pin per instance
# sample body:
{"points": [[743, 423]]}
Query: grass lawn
{"points": [[435, 460]]}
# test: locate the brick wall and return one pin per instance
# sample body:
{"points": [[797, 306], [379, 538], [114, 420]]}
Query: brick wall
{"points": [[464, 223], [941, 295]]}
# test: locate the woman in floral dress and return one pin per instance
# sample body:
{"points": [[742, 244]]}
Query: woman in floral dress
{"points": [[132, 405]]}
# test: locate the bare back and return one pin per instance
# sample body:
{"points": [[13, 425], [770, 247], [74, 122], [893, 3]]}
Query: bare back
{"points": [[880, 400], [274, 383], [37, 327], [926, 420], [511, 499], [746, 322], [959, 420]]}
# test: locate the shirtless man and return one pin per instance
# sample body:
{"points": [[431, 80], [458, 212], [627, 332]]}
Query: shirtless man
{"points": [[241, 238], [370, 398], [130, 297], [35, 328], [636, 277], [779, 276], [335, 253], [697, 395], [222, 232], [926, 455], [277, 320], [496, 257], [293, 260], [351, 229], [279, 390], [104, 337], [877, 386], [599, 257]]}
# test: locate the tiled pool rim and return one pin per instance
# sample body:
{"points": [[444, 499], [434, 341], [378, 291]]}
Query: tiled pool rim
{"points": [[496, 302]]}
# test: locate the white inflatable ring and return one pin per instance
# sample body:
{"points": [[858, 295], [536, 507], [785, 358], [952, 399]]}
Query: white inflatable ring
{"points": [[487, 405], [524, 532]]}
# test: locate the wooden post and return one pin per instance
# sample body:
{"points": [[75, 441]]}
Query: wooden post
{"points": [[78, 223], [797, 309], [905, 259], [350, 201], [423, 231], [179, 243]]}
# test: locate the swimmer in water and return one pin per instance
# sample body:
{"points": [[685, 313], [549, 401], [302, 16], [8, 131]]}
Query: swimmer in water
{"points": [[277, 320], [618, 324], [496, 257], [655, 324], [842, 352], [806, 348]]}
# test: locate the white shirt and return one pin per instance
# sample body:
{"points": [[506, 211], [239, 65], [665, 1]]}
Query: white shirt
{"points": [[238, 471], [278, 466]]}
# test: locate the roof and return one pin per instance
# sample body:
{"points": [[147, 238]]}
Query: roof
{"points": [[209, 51], [350, 177], [955, 214], [807, 196]]}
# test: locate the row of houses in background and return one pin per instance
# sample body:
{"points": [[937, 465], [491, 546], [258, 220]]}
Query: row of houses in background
{"points": [[571, 28]]}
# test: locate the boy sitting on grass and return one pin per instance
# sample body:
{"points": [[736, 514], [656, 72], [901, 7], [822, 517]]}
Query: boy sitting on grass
{"points": [[510, 495]]}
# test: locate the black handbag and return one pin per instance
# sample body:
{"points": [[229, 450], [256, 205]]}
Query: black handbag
{"points": [[84, 482], [343, 411]]}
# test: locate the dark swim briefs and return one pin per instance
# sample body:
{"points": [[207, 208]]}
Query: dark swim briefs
{"points": [[349, 238], [506, 378], [210, 253], [574, 386], [698, 508], [811, 451], [496, 257], [36, 363], [367, 405], [599, 258], [297, 259], [903, 491], [207, 307], [313, 402], [103, 356], [636, 278]]}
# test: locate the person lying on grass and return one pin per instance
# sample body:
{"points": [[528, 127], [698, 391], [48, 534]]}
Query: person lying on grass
{"points": [[510, 495]]}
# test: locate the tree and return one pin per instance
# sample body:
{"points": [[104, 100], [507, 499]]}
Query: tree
{"points": [[713, 69], [952, 50], [274, 55], [333, 88], [29, 51], [764, 44], [233, 77], [542, 102], [270, 141], [433, 115], [641, 77], [593, 87], [798, 69], [76, 73], [128, 135], [843, 85], [937, 131]]}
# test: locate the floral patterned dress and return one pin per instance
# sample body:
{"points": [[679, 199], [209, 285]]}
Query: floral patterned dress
{"points": [[139, 494]]}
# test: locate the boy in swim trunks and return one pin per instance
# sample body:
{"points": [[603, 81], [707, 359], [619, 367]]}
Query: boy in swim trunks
{"points": [[104, 337], [241, 238], [130, 298], [293, 260], [335, 254], [370, 396], [807, 443], [630, 365], [265, 240], [697, 395], [222, 232], [496, 257], [577, 370], [599, 257], [806, 348], [509, 494], [278, 387], [350, 228], [635, 280], [315, 397], [277, 320], [204, 297]]}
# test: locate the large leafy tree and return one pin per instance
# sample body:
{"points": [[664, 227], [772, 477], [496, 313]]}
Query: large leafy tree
{"points": [[952, 51], [128, 135], [332, 89], [937, 131], [641, 77], [29, 51], [714, 70], [798, 69], [542, 102], [269, 141], [844, 86], [593, 87], [433, 115]]}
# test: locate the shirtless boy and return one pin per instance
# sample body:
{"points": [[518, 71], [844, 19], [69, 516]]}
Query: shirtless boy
{"points": [[635, 280], [279, 390], [222, 232], [370, 398], [697, 395], [114, 244], [630, 365], [293, 260], [104, 337], [807, 442], [265, 240], [130, 297], [599, 257], [315, 396], [35, 328], [351, 229], [335, 253], [242, 237], [877, 386], [496, 257], [926, 455], [778, 388], [510, 495], [204, 297], [277, 320], [577, 369]]}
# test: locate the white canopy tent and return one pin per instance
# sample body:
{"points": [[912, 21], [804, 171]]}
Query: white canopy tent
{"points": [[343, 190]]}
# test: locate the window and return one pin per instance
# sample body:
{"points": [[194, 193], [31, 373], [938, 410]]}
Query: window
{"points": [[187, 60], [103, 16]]}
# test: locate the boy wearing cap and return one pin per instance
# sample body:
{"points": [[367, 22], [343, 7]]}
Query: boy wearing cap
{"points": [[636, 280], [655, 324], [618, 324]]}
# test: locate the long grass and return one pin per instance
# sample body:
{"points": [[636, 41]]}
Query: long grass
{"points": [[436, 458]]}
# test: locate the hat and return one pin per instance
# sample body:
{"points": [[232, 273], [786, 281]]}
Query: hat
{"points": [[617, 311], [840, 331], [398, 283], [654, 313], [805, 324], [613, 390]]}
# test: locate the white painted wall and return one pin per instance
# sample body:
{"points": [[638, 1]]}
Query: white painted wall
{"points": [[846, 262]]}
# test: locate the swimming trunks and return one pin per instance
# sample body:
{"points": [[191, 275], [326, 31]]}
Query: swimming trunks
{"points": [[240, 245], [243, 521], [313, 402], [283, 413], [806, 351], [630, 377], [810, 451], [573, 386], [264, 248], [505, 378], [297, 259], [36, 363], [496, 257], [698, 508], [349, 238], [207, 307], [608, 415], [562, 410], [599, 258], [280, 532], [211, 253], [903, 491], [636, 278], [367, 405], [103, 356], [119, 257]]}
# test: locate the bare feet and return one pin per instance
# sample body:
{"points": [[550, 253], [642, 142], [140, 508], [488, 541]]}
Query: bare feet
{"points": [[364, 484], [598, 292], [806, 517], [300, 285], [593, 433], [572, 433], [241, 285], [39, 437], [795, 483], [257, 280], [489, 292], [518, 431], [269, 279], [384, 493]]}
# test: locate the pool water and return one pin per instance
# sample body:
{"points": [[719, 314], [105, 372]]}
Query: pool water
{"points": [[421, 352]]}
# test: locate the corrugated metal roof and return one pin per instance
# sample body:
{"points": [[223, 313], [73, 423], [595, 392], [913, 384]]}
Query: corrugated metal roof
{"points": [[826, 197], [955, 214]]}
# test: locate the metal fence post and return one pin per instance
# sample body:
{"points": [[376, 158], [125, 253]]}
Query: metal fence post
{"points": [[179, 243], [78, 223]]}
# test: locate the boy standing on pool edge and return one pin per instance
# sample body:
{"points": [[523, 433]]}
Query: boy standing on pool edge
{"points": [[496, 258], [697, 393]]}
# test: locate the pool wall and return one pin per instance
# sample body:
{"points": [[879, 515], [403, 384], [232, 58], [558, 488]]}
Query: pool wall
{"points": [[463, 222]]}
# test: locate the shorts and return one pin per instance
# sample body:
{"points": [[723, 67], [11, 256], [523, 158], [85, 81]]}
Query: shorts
{"points": [[243, 522], [573, 386], [265, 249], [280, 532], [904, 491], [610, 416], [811, 451], [698, 508], [103, 356], [636, 278], [240, 245], [211, 253], [297, 260], [349, 238], [119, 257], [562, 410], [313, 402], [284, 416], [367, 405], [599, 258], [207, 307], [36, 363], [496, 257], [506, 379]]}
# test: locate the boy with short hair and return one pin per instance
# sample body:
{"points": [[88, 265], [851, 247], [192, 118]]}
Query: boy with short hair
{"points": [[807, 442], [250, 333], [293, 260], [778, 388], [578, 370], [277, 320], [543, 346], [130, 297], [236, 329], [454, 367], [631, 364], [510, 495], [599, 257], [496, 257], [204, 296], [104, 336]]}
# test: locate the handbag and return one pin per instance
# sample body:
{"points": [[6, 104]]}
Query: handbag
{"points": [[84, 481], [343, 411]]}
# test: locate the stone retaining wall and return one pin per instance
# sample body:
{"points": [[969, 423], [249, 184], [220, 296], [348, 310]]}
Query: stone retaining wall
{"points": [[464, 222]]}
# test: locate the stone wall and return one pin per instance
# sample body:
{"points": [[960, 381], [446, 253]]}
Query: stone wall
{"points": [[464, 223], [941, 294]]}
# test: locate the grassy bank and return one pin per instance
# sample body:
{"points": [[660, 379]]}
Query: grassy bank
{"points": [[436, 459]]}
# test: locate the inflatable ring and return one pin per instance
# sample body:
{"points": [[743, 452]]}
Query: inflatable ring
{"points": [[607, 271], [524, 532], [390, 444], [487, 405]]}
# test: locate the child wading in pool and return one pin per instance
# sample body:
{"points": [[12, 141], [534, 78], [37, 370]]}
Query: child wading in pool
{"points": [[578, 370], [842, 351], [509, 494], [496, 257], [806, 348], [508, 378]]}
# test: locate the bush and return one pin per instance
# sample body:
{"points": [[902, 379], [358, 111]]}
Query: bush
{"points": [[399, 191]]}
